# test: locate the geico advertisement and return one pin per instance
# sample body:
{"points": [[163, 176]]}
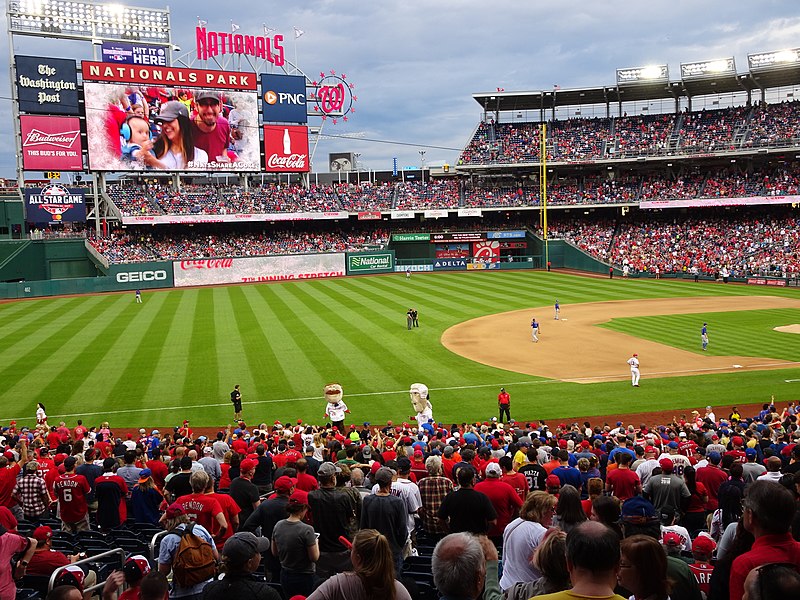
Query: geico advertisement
{"points": [[142, 275], [211, 271]]}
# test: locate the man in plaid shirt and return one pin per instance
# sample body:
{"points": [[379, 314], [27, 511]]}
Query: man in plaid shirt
{"points": [[432, 490], [31, 493]]}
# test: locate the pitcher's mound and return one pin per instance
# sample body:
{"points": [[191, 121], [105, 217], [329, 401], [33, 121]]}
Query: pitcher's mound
{"points": [[574, 349]]}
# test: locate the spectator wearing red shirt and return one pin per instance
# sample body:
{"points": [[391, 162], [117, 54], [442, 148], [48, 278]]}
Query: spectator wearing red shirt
{"points": [[516, 480], [504, 499], [158, 469], [53, 438], [305, 482], [79, 432], [45, 560], [110, 491], [9, 471], [622, 482], [71, 490], [712, 477], [230, 512], [202, 508], [702, 568], [768, 513]]}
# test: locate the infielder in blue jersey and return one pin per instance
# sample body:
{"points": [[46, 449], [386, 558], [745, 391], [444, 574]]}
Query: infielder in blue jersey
{"points": [[535, 330], [557, 310], [704, 335]]}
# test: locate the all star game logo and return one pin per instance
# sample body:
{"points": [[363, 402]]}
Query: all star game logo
{"points": [[56, 200]]}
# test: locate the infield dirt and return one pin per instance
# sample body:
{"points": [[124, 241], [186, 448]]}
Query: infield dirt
{"points": [[574, 349]]}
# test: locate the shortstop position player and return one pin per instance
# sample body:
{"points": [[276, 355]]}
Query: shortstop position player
{"points": [[535, 330], [633, 361], [558, 309]]}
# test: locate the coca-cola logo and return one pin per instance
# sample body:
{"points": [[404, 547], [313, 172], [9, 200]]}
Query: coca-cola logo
{"points": [[64, 139], [293, 161], [215, 263]]}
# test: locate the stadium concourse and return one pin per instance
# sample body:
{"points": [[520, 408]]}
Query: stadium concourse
{"points": [[715, 489]]}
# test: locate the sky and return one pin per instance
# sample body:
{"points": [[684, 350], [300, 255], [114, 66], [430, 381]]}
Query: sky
{"points": [[415, 64]]}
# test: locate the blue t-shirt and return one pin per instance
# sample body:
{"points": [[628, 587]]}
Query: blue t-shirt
{"points": [[166, 554]]}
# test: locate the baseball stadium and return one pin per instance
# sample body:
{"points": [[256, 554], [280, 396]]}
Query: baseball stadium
{"points": [[614, 264]]}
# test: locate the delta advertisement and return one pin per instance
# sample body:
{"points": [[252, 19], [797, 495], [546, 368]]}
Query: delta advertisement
{"points": [[284, 98], [55, 203], [214, 271], [286, 149], [47, 85], [153, 128], [51, 143]]}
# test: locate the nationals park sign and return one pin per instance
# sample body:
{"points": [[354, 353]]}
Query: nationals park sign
{"points": [[371, 262]]}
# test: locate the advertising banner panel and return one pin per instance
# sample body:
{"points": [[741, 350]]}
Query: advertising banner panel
{"points": [[411, 237], [168, 76], [284, 98], [435, 214], [134, 54], [703, 202], [144, 275], [513, 245], [369, 215], [505, 235], [450, 264], [122, 141], [482, 266], [213, 271], [414, 268], [469, 212], [452, 250], [486, 251], [766, 281], [51, 143], [372, 262], [55, 203], [286, 149], [402, 214], [237, 218], [459, 236], [47, 85]]}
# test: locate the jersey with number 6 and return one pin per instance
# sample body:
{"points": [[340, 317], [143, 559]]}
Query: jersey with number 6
{"points": [[71, 491]]}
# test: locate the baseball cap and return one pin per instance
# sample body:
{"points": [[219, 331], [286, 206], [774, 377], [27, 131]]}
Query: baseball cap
{"points": [[71, 575], [243, 546], [206, 95], [650, 450], [135, 567], [144, 475], [553, 481], [673, 445], [666, 464], [174, 510], [284, 483], [155, 432], [666, 514], [751, 452], [494, 470], [169, 112], [403, 464], [383, 476], [208, 450], [248, 464], [737, 440], [671, 539], [714, 457], [328, 469], [638, 510], [42, 533], [704, 543]]}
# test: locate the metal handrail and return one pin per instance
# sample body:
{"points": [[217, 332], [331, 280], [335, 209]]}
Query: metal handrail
{"points": [[154, 543], [88, 559]]}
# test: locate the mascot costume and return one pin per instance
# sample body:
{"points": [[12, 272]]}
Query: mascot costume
{"points": [[421, 403], [335, 408]]}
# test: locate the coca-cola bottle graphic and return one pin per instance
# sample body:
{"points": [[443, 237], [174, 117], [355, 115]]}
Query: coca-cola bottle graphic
{"points": [[287, 142]]}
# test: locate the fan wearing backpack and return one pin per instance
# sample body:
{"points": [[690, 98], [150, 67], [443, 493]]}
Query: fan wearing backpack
{"points": [[188, 551]]}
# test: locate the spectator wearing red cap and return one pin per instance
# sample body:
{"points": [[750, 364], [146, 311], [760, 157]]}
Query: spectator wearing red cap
{"points": [[667, 488], [9, 471], [72, 491], [175, 521], [45, 560], [74, 576], [703, 547], [243, 491], [645, 469]]}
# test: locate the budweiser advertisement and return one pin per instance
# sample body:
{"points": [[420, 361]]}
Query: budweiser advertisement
{"points": [[258, 269], [219, 134], [51, 143], [286, 149]]}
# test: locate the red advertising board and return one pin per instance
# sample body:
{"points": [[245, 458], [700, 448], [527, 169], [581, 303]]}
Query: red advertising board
{"points": [[369, 215], [486, 251], [51, 143], [286, 149], [168, 76]]}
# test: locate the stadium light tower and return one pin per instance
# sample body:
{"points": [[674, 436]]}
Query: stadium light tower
{"points": [[646, 74]]}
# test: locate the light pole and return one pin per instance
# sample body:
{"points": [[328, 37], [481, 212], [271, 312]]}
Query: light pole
{"points": [[422, 163], [358, 168]]}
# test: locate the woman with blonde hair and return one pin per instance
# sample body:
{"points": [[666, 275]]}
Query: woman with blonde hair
{"points": [[550, 558], [373, 574], [522, 536]]}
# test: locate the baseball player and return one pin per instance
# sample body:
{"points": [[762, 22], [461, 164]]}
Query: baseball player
{"points": [[535, 330], [704, 335], [633, 361], [138, 296], [557, 310]]}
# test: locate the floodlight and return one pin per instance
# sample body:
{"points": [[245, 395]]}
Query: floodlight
{"points": [[708, 68], [777, 59], [646, 74]]}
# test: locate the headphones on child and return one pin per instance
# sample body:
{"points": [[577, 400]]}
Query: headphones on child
{"points": [[125, 128]]}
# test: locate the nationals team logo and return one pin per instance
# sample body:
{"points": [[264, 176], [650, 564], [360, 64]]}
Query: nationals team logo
{"points": [[333, 96]]}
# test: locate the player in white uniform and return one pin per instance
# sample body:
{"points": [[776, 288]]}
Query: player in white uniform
{"points": [[535, 330], [633, 361]]}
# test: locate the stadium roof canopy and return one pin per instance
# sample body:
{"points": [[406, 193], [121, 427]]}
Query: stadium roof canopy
{"points": [[760, 77]]}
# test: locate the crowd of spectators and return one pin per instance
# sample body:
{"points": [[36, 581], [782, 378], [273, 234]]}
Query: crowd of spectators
{"points": [[579, 139], [366, 196], [774, 125], [502, 143], [499, 196], [711, 130], [642, 135], [687, 509], [439, 193], [123, 246]]}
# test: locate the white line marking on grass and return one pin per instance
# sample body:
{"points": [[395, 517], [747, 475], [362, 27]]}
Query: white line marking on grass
{"points": [[791, 380], [610, 378]]}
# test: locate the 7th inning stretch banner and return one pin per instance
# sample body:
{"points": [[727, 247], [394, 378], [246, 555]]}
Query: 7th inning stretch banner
{"points": [[213, 271], [243, 218], [701, 202]]}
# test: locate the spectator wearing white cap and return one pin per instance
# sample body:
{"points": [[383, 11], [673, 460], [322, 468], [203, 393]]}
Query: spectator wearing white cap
{"points": [[211, 465]]}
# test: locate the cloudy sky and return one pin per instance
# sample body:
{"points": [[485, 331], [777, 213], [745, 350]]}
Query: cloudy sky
{"points": [[416, 64]]}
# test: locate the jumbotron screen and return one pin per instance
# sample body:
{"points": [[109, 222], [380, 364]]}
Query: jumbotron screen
{"points": [[147, 128]]}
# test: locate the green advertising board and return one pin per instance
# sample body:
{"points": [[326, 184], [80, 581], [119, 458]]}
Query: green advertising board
{"points": [[364, 263], [411, 237]]}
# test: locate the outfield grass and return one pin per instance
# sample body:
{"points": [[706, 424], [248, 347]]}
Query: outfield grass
{"points": [[179, 353]]}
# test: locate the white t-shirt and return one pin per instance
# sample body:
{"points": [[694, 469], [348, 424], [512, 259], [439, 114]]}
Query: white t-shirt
{"points": [[520, 539]]}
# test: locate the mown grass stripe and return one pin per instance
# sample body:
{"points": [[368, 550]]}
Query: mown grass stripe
{"points": [[35, 326], [201, 374]]}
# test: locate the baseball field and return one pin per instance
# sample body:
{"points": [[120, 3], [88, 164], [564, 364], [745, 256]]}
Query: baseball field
{"points": [[179, 353]]}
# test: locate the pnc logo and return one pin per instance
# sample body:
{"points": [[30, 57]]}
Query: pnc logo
{"points": [[270, 97]]}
